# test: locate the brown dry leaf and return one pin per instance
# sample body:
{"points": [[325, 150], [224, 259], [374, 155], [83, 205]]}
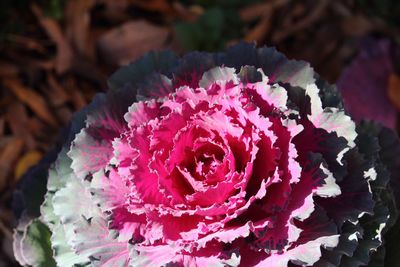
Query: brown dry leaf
{"points": [[44, 135], [25, 63], [56, 93], [255, 11], [7, 69], [341, 8], [88, 90], [17, 119], [131, 40], [357, 26], [115, 6], [8, 156], [35, 101], [64, 114], [394, 90], [77, 16], [26, 161], [299, 10], [261, 30], [37, 127], [27, 43], [64, 51], [162, 6], [189, 14], [43, 64], [77, 98], [291, 29], [115, 12], [2, 124]]}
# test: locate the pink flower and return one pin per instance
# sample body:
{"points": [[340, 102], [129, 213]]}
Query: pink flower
{"points": [[215, 165]]}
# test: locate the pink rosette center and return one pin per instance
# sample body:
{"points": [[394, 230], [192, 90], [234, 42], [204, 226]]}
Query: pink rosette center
{"points": [[215, 166]]}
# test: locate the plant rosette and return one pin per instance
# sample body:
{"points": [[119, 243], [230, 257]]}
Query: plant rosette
{"points": [[239, 158]]}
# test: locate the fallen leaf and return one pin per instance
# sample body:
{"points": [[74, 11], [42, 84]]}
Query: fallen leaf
{"points": [[307, 21], [7, 69], [188, 14], [56, 93], [126, 43], [26, 161], [78, 99], [115, 6], [357, 26], [35, 101], [77, 16], [44, 64], [64, 51], [65, 114], [255, 11], [76, 96], [260, 31], [394, 90], [17, 119], [114, 12], [27, 43], [8, 156], [37, 128], [2, 124], [45, 136], [162, 6]]}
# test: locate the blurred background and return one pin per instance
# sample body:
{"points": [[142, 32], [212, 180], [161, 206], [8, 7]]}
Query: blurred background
{"points": [[55, 55]]}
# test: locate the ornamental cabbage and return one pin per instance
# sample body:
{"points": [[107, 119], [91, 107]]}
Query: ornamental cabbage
{"points": [[240, 158]]}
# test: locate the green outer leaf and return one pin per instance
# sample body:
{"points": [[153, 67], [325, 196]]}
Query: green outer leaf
{"points": [[34, 245], [61, 208]]}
